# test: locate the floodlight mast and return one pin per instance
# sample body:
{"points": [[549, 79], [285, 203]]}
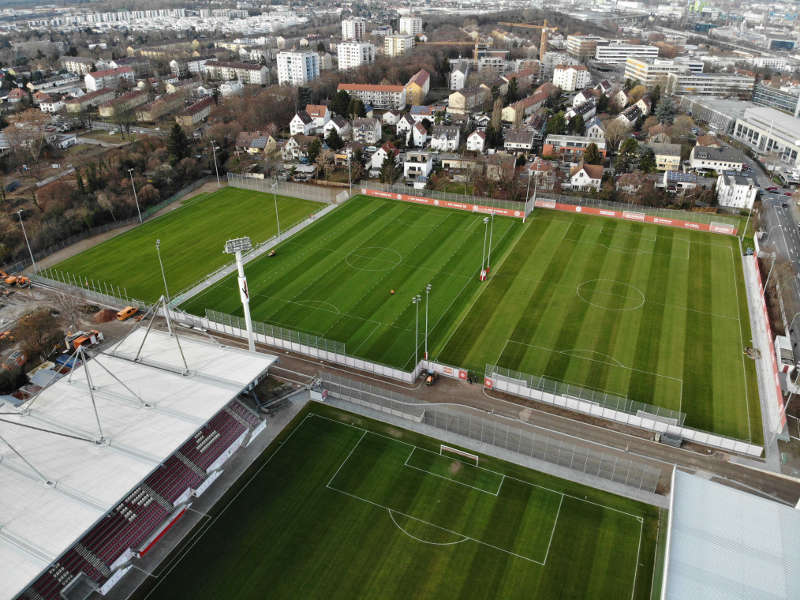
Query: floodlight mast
{"points": [[237, 246]]}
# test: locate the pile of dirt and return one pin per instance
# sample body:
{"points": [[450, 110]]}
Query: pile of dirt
{"points": [[105, 315]]}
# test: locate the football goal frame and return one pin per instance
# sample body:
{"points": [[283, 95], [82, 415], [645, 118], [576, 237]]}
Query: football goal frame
{"points": [[445, 450]]}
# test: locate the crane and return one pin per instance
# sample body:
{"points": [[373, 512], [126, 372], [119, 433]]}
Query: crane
{"points": [[545, 28]]}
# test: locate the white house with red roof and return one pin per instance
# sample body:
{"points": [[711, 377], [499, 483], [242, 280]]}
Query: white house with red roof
{"points": [[110, 78]]}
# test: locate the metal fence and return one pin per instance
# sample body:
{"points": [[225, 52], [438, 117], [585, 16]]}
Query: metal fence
{"points": [[316, 193], [498, 431], [94, 291], [665, 213], [399, 188], [594, 397]]}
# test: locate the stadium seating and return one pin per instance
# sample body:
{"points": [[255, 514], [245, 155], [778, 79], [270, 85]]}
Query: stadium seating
{"points": [[134, 519]]}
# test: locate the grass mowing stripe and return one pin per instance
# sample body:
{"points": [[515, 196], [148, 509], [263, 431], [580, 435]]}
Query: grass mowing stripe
{"points": [[697, 354], [648, 340]]}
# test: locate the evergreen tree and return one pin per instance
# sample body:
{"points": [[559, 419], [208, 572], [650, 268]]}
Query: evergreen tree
{"points": [[556, 124], [334, 140], [647, 160], [341, 103], [665, 111], [177, 144], [389, 169], [313, 150], [577, 125], [513, 91], [592, 155]]}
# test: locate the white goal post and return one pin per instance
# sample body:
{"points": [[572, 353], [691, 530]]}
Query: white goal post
{"points": [[445, 449]]}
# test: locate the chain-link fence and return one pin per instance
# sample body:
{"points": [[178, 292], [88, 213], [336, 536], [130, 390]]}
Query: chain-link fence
{"points": [[707, 218], [94, 291], [274, 331], [316, 193], [492, 203], [594, 397], [500, 431]]}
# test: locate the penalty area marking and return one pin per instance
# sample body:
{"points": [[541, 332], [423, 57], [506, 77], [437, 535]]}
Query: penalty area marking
{"points": [[450, 479], [420, 540]]}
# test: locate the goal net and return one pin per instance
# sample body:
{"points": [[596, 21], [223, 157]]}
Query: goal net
{"points": [[445, 450]]}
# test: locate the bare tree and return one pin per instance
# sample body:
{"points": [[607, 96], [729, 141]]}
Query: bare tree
{"points": [[27, 135]]}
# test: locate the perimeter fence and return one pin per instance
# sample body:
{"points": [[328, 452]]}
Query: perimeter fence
{"points": [[498, 431], [316, 193]]}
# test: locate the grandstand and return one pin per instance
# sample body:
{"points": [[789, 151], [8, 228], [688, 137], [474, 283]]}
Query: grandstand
{"points": [[102, 462]]}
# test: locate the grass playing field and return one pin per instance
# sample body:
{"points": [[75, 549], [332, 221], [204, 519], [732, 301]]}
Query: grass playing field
{"points": [[345, 507], [192, 238], [334, 278], [654, 314]]}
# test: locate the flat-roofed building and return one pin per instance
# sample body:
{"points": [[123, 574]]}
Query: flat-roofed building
{"points": [[379, 96], [768, 130], [619, 53]]}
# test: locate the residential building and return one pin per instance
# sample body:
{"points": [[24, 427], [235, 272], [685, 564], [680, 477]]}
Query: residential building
{"points": [[354, 28], [710, 84], [417, 165], [76, 105], [340, 125], [680, 182], [659, 134], [410, 25], [421, 112], [514, 113], [247, 73], [584, 46], [587, 110], [77, 64], [518, 140], [586, 178], [153, 111], [122, 103], [445, 138], [552, 59], [109, 78], [571, 77], [595, 130], [570, 147], [417, 87], [404, 125], [391, 117], [297, 68], [379, 96], [768, 130], [367, 131], [476, 141], [355, 54], [494, 60], [617, 54], [325, 61], [668, 156], [387, 150], [196, 113], [417, 136], [736, 191], [231, 88], [786, 100], [543, 173], [464, 101], [585, 95], [50, 104], [301, 124], [320, 114], [459, 71], [629, 116], [716, 159], [397, 44]]}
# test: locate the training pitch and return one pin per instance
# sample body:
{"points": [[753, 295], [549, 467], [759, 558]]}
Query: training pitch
{"points": [[654, 314], [345, 507], [192, 238]]}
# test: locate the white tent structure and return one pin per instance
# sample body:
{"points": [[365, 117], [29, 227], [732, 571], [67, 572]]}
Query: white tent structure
{"points": [[68, 456], [726, 543]]}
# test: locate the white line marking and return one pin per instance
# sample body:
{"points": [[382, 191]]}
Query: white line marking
{"points": [[413, 537], [742, 341], [346, 458], [555, 522], [450, 479]]}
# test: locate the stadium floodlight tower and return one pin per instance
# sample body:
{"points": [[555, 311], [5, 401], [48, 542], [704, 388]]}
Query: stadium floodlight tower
{"points": [[237, 246]]}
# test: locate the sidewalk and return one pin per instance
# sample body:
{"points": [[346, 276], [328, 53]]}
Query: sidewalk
{"points": [[767, 384]]}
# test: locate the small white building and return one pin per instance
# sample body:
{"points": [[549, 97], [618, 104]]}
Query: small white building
{"points": [[716, 159], [355, 54], [476, 141], [418, 136], [417, 164], [736, 191], [585, 178], [338, 124], [388, 149], [301, 123], [595, 130]]}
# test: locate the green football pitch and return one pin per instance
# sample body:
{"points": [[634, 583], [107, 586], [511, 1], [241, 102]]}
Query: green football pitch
{"points": [[192, 238], [653, 314], [345, 507]]}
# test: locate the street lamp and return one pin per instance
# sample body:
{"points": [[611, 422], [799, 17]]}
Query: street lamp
{"points": [[27, 243], [349, 171], [135, 197], [427, 301], [415, 301], [275, 199], [214, 152], [774, 258]]}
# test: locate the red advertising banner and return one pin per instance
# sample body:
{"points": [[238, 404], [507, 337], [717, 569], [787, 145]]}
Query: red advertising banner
{"points": [[637, 216], [467, 206]]}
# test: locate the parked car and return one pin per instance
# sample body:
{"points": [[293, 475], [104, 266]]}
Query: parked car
{"points": [[772, 188]]}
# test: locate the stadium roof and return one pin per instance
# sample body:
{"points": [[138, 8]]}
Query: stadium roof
{"points": [[725, 543], [40, 518]]}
